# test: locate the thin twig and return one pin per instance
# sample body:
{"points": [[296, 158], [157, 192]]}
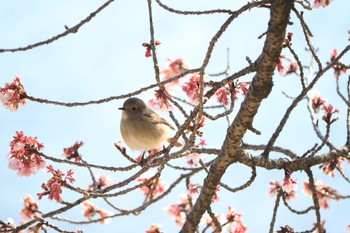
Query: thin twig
{"points": [[275, 208], [315, 199], [68, 31]]}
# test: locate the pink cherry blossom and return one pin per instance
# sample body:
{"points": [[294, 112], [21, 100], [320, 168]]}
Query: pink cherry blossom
{"points": [[289, 187], [31, 208], [24, 154], [324, 193], [13, 94], [194, 190], [282, 70], [202, 142], [329, 167], [316, 102], [240, 228], [160, 188], [155, 228], [179, 210], [72, 152], [274, 188], [191, 88], [243, 87], [223, 95], [54, 186], [148, 47], [104, 214], [219, 217], [293, 67], [329, 111], [90, 210], [102, 181], [173, 68], [193, 159], [323, 223], [322, 3], [200, 124], [160, 101], [237, 218], [337, 66]]}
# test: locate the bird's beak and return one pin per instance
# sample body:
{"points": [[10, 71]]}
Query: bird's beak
{"points": [[121, 108]]}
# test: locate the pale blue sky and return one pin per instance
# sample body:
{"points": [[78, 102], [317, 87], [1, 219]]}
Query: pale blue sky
{"points": [[105, 58]]}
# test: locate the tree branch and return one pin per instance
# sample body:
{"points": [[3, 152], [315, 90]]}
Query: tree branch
{"points": [[260, 89]]}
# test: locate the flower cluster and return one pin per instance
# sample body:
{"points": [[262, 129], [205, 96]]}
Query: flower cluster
{"points": [[280, 66], [155, 228], [193, 159], [161, 100], [179, 210], [200, 124], [324, 193], [322, 3], [173, 68], [223, 93], [234, 217], [329, 167], [24, 154], [338, 67], [241, 86], [72, 152], [53, 186], [90, 210], [149, 48], [13, 94], [101, 181], [316, 101], [329, 111], [288, 187], [283, 70], [159, 188], [192, 88], [31, 208], [220, 219], [233, 220]]}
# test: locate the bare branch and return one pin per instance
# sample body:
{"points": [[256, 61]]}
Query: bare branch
{"points": [[63, 34], [259, 89]]}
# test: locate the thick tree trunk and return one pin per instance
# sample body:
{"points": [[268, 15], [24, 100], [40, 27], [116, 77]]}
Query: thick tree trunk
{"points": [[260, 88]]}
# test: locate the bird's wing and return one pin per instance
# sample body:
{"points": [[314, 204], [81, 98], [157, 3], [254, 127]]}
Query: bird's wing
{"points": [[155, 119], [163, 121]]}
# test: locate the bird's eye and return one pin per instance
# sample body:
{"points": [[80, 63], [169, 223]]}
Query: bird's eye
{"points": [[134, 108]]}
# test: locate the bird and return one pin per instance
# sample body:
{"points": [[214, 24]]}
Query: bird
{"points": [[141, 128]]}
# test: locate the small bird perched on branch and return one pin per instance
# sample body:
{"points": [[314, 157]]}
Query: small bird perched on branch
{"points": [[141, 128]]}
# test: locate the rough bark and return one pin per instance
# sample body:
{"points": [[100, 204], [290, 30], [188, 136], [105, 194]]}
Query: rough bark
{"points": [[260, 88]]}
